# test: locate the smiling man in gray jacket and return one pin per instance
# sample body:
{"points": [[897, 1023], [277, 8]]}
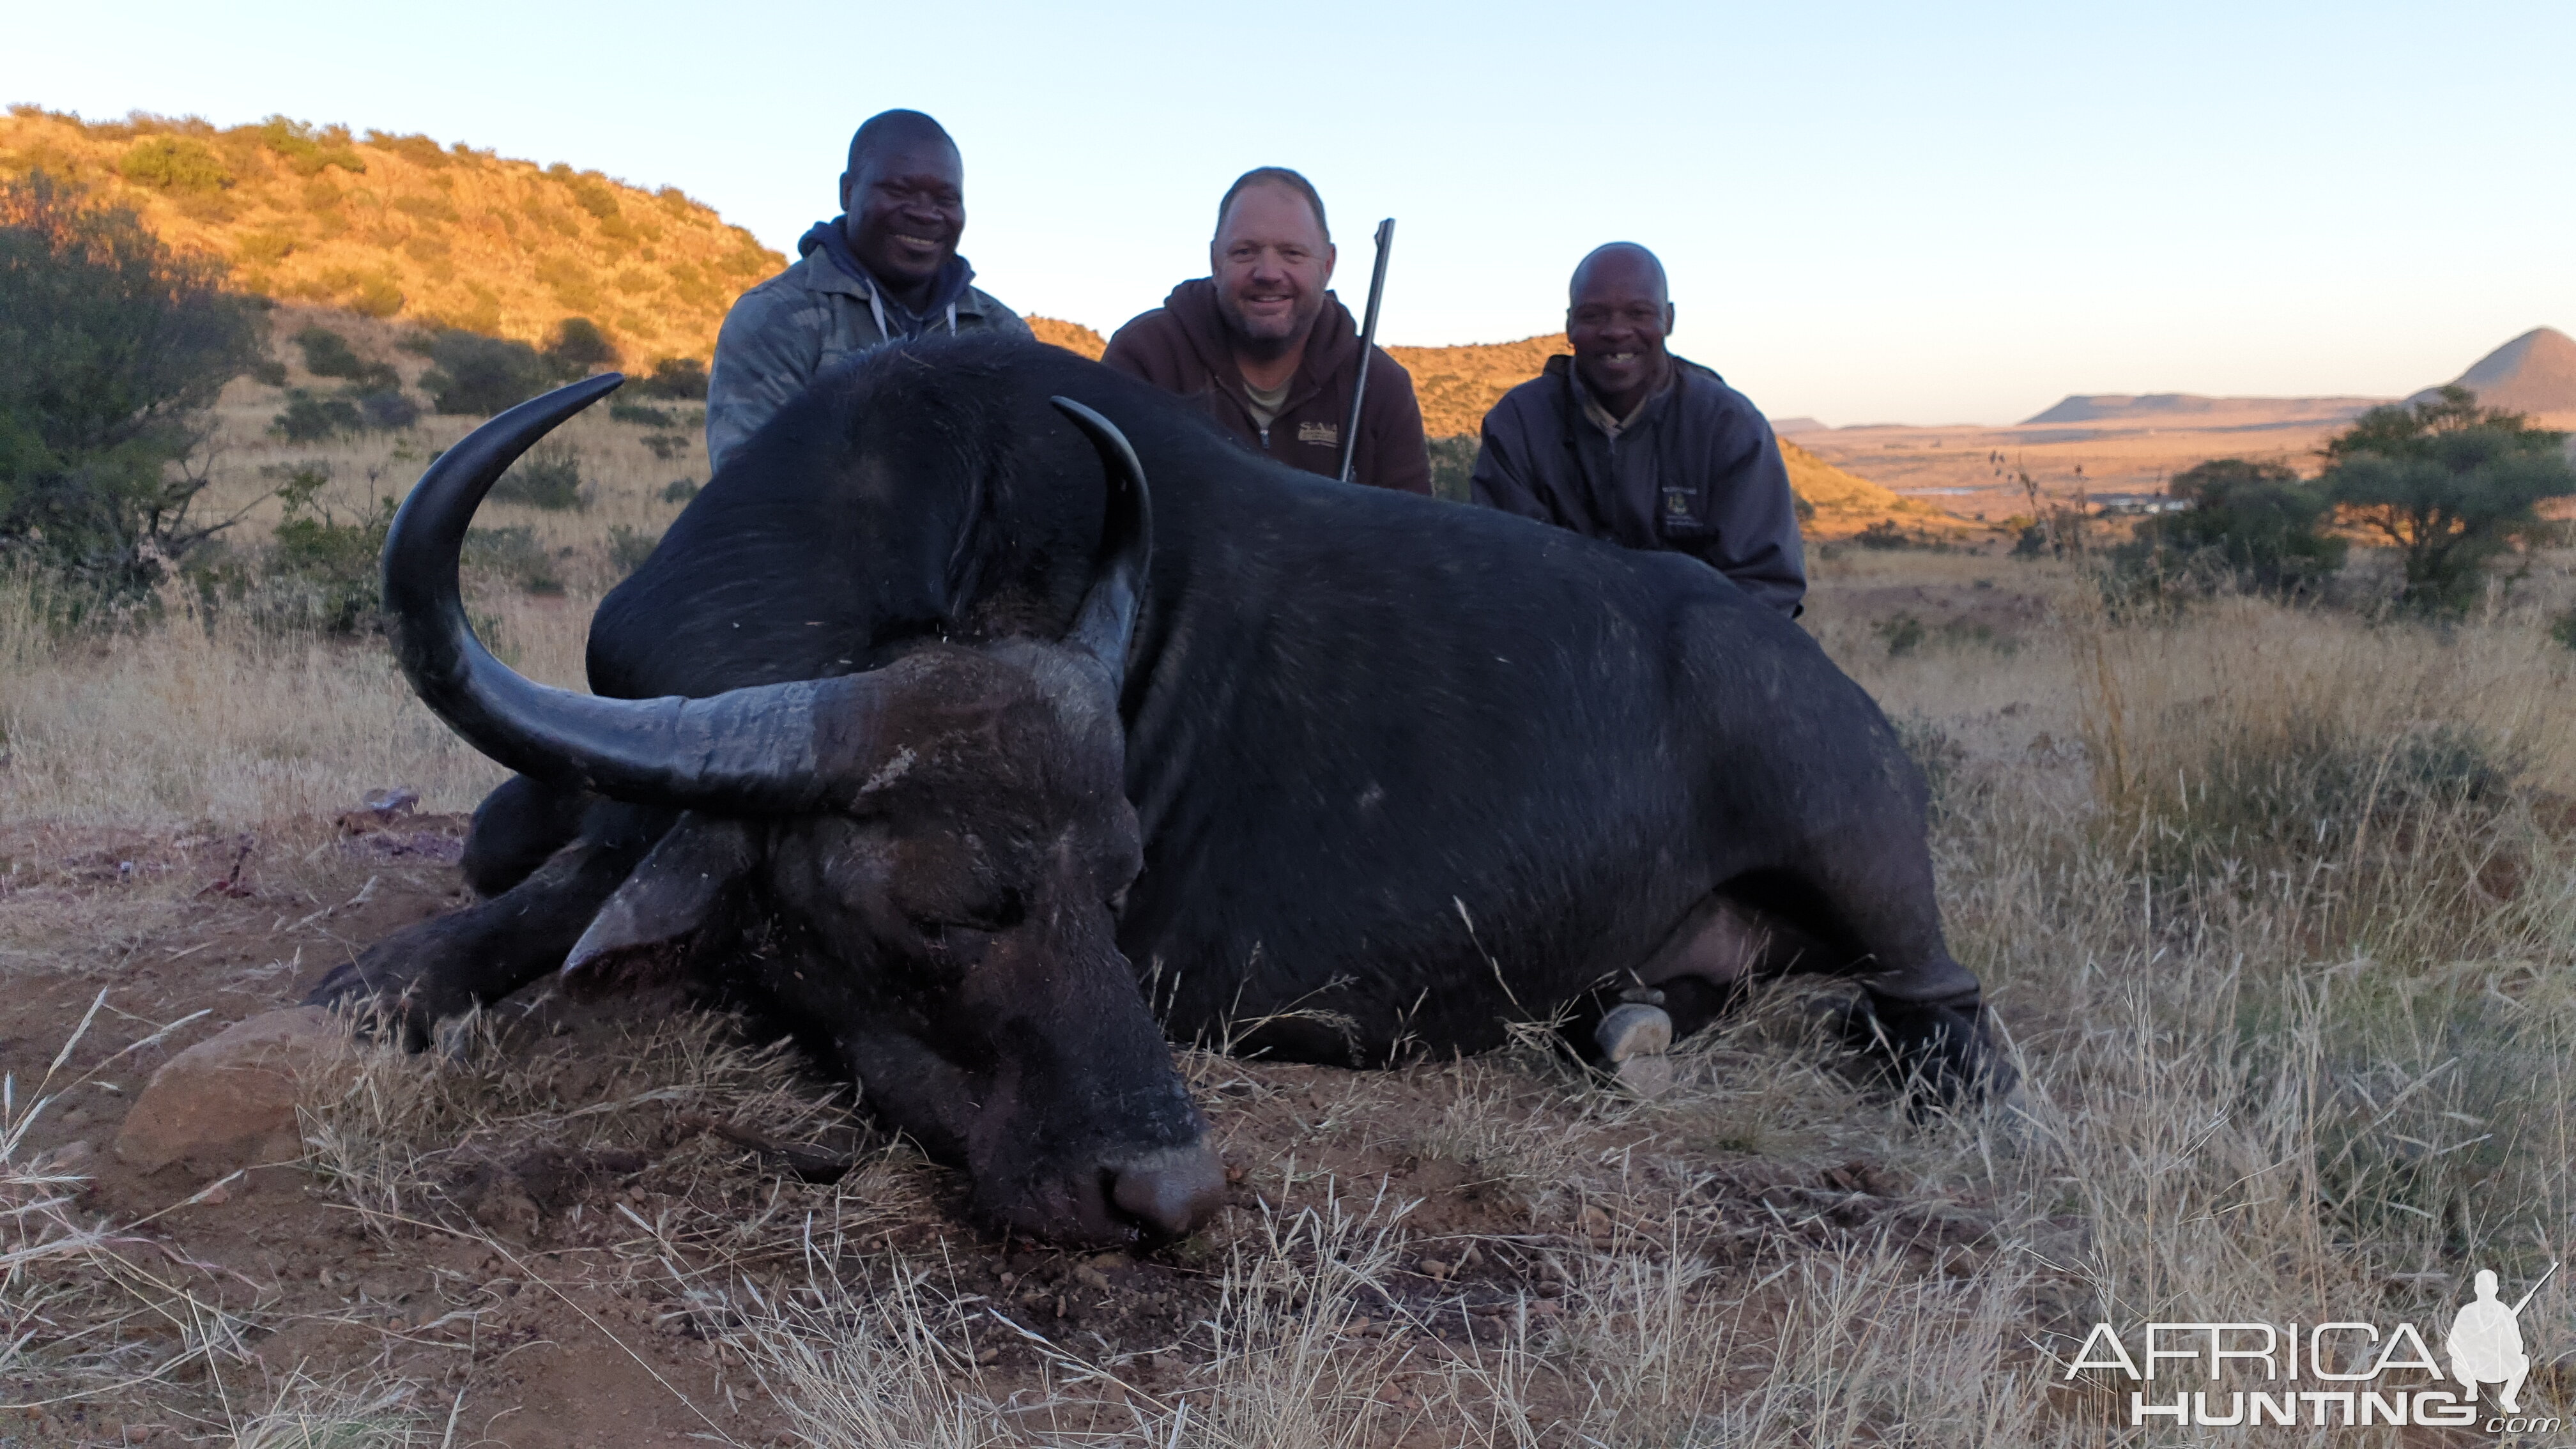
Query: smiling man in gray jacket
{"points": [[885, 269]]}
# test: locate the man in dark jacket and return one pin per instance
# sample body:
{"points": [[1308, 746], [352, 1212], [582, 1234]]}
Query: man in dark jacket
{"points": [[886, 268], [1627, 442], [1270, 353]]}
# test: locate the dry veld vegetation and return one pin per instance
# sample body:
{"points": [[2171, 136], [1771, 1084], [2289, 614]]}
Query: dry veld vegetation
{"points": [[2277, 906], [400, 226]]}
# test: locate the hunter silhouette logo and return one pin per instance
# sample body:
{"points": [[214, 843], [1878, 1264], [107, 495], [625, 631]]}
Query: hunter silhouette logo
{"points": [[2341, 1373], [2485, 1343]]}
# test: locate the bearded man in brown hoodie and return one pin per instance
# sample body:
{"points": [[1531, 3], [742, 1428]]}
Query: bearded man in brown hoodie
{"points": [[1269, 352]]}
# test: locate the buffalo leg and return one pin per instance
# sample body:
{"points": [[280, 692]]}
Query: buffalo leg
{"points": [[446, 966], [1871, 909], [517, 829]]}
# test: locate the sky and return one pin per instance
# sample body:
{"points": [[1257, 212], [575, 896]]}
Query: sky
{"points": [[1870, 213]]}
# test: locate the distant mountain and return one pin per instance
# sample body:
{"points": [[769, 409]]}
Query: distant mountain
{"points": [[403, 227], [2534, 373], [2182, 409], [1784, 427]]}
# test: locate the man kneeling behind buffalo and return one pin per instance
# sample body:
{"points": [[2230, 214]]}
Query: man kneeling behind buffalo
{"points": [[1626, 442], [1271, 354]]}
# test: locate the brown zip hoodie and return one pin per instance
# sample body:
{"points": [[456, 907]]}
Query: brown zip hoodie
{"points": [[1182, 347]]}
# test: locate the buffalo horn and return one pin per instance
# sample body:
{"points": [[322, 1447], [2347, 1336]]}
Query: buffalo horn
{"points": [[1107, 620], [778, 748]]}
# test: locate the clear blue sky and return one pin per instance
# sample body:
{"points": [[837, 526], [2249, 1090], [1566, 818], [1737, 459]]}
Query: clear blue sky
{"points": [[1870, 212]]}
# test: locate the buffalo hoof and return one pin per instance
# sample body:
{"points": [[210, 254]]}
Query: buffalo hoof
{"points": [[1942, 1051], [1633, 1039], [389, 1003]]}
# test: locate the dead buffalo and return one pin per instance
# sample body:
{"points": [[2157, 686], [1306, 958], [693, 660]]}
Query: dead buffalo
{"points": [[897, 732]]}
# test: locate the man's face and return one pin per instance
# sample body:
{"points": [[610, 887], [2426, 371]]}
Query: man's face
{"points": [[1617, 324], [907, 207], [1271, 265]]}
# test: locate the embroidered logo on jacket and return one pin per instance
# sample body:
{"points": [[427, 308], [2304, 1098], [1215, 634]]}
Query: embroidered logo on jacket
{"points": [[1328, 434]]}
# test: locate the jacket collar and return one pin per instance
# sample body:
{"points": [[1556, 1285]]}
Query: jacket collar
{"points": [[838, 269], [1330, 344], [1575, 395]]}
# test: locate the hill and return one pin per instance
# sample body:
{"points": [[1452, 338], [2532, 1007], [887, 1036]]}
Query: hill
{"points": [[2534, 373], [402, 227], [2189, 410], [1459, 385]]}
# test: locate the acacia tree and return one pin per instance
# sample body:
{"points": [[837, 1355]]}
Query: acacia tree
{"points": [[112, 349], [2245, 522], [2451, 484]]}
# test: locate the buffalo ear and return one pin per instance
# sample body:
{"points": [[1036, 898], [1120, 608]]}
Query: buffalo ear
{"points": [[686, 883]]}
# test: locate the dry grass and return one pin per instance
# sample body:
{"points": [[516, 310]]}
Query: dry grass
{"points": [[2279, 907]]}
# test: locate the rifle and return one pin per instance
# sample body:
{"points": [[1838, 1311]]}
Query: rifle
{"points": [[2535, 1288], [1368, 340]]}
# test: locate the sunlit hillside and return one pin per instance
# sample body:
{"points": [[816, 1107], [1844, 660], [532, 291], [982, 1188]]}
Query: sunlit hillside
{"points": [[402, 227]]}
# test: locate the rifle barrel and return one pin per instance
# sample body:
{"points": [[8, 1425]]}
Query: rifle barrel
{"points": [[1368, 341]]}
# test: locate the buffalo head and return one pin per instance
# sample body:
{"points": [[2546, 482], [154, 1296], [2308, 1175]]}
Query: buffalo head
{"points": [[921, 864]]}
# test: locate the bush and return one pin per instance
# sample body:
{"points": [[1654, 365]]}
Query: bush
{"points": [[1453, 467], [1883, 534], [548, 477], [621, 411], [112, 349], [473, 374], [679, 490], [513, 554], [667, 446], [578, 347], [328, 354], [675, 379], [2452, 485], [387, 410], [335, 563], [310, 419], [629, 547], [174, 163], [2249, 525]]}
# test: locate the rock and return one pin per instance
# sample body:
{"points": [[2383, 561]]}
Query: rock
{"points": [[229, 1101]]}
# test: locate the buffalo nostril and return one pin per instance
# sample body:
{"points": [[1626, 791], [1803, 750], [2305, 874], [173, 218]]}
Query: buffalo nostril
{"points": [[1171, 1191]]}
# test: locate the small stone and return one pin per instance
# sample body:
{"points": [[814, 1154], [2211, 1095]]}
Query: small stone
{"points": [[72, 1157], [229, 1101]]}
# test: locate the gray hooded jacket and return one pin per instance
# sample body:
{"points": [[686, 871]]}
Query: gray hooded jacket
{"points": [[789, 328]]}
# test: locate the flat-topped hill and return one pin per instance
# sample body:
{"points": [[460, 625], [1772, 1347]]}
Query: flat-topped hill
{"points": [[2190, 410]]}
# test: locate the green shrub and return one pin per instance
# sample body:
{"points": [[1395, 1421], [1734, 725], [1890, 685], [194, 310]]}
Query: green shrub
{"points": [[319, 571], [2563, 629], [112, 350], [679, 490], [513, 554], [269, 372], [2248, 525], [473, 374], [1453, 467], [629, 547], [307, 151], [1904, 634], [1883, 534], [675, 379], [622, 411], [387, 410], [2451, 485], [310, 419], [174, 163], [667, 446], [578, 347], [328, 354], [548, 477]]}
